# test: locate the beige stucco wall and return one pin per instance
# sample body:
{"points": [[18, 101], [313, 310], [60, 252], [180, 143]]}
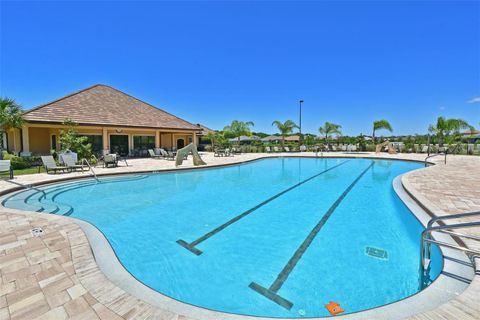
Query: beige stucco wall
{"points": [[39, 136], [39, 140]]}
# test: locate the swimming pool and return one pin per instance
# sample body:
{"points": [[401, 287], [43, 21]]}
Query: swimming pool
{"points": [[277, 237]]}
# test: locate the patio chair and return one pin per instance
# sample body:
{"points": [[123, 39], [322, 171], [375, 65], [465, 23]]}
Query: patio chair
{"points": [[50, 165], [153, 155], [5, 166], [110, 160], [218, 152], [167, 155], [228, 153], [70, 163]]}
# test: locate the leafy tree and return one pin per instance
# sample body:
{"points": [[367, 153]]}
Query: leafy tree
{"points": [[448, 130], [71, 140], [380, 124], [11, 115], [329, 128], [285, 128], [238, 128], [215, 137]]}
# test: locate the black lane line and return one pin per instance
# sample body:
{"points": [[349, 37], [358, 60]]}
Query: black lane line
{"points": [[271, 293], [191, 246]]}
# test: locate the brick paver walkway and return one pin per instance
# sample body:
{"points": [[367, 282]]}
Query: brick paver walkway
{"points": [[54, 275]]}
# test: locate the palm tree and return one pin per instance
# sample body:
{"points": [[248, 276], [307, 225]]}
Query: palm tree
{"points": [[448, 127], [239, 128], [380, 124], [285, 128], [329, 128], [11, 116]]}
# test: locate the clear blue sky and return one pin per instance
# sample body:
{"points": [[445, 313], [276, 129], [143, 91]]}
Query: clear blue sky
{"points": [[212, 62]]}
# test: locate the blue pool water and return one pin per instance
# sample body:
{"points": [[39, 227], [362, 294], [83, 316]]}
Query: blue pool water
{"points": [[299, 241]]}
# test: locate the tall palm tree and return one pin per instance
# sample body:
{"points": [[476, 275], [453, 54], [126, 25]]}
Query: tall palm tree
{"points": [[330, 128], [285, 128], [11, 116], [380, 124], [446, 128], [239, 128]]}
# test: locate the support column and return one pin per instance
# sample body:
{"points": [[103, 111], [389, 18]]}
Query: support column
{"points": [[16, 142], [25, 139], [194, 139], [157, 139], [157, 142], [174, 145], [105, 142]]}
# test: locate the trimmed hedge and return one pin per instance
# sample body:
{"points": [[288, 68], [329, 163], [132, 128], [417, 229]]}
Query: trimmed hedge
{"points": [[20, 162]]}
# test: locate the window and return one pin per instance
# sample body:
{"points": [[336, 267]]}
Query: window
{"points": [[143, 142], [53, 142], [96, 141]]}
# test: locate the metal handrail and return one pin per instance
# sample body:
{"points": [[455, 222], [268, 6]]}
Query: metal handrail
{"points": [[453, 216], [425, 250], [30, 187], [445, 153], [91, 169]]}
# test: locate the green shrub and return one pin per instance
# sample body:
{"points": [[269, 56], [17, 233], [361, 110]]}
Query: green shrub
{"points": [[20, 162]]}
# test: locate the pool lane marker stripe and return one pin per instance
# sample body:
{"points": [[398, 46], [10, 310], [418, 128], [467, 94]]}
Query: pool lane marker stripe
{"points": [[191, 246], [271, 293]]}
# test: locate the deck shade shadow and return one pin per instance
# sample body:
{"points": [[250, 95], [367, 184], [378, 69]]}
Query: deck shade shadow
{"points": [[271, 292], [191, 246]]}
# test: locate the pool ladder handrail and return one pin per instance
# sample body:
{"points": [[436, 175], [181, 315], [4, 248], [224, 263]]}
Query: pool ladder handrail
{"points": [[445, 153], [426, 239], [90, 168], [30, 187]]}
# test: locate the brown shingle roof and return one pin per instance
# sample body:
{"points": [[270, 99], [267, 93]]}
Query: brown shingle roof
{"points": [[104, 105]]}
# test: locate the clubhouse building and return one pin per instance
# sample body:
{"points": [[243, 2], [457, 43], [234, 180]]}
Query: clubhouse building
{"points": [[113, 121]]}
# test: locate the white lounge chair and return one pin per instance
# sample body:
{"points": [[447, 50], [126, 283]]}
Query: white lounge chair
{"points": [[50, 165], [70, 163], [153, 155], [5, 166]]}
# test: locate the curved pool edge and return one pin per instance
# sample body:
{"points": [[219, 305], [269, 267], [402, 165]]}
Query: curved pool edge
{"points": [[440, 291], [105, 258]]}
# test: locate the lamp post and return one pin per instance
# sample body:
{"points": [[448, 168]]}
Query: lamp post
{"points": [[300, 122]]}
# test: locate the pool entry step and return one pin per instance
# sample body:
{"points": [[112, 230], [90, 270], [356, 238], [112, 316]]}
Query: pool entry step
{"points": [[271, 292], [191, 246]]}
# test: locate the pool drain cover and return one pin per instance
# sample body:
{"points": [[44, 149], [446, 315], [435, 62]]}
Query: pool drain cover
{"points": [[376, 253], [37, 232]]}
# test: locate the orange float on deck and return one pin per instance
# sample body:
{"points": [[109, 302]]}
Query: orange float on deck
{"points": [[334, 308]]}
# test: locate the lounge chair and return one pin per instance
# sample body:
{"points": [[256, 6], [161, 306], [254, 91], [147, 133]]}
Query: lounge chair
{"points": [[424, 149], [50, 165], [275, 149], [303, 148], [167, 155], [287, 149], [70, 163], [219, 153], [268, 150], [110, 160], [5, 166], [153, 155]]}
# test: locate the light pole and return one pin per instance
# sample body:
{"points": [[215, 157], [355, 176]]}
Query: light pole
{"points": [[300, 122]]}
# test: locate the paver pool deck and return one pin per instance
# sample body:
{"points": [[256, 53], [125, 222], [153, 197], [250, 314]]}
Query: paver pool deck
{"points": [[55, 276]]}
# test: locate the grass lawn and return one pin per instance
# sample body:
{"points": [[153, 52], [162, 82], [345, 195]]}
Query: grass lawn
{"points": [[23, 171]]}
